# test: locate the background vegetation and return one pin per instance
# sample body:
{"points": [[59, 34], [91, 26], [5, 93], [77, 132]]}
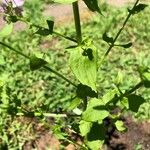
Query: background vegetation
{"points": [[41, 91]]}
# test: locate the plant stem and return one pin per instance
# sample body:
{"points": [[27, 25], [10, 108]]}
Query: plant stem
{"points": [[137, 86], [77, 22], [121, 29], [11, 48], [58, 74], [46, 67], [54, 32]]}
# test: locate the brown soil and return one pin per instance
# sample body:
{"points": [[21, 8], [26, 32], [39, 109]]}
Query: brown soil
{"points": [[138, 133]]}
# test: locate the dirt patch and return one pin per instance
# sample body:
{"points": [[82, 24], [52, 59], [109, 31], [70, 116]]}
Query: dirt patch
{"points": [[137, 134]]}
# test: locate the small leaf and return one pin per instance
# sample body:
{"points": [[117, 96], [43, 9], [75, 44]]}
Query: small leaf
{"points": [[84, 91], [138, 8], [95, 145], [120, 125], [135, 101], [83, 68], [74, 103], [43, 31], [93, 5], [107, 39], [124, 102], [96, 136], [109, 96], [50, 24], [64, 1], [36, 63], [128, 45], [95, 111], [6, 30], [85, 127]]}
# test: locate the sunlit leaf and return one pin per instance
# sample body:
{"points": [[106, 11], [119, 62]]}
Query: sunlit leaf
{"points": [[74, 103], [120, 125], [96, 111], [85, 127], [84, 68]]}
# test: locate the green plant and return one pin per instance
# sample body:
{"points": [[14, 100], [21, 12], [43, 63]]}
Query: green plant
{"points": [[84, 62]]}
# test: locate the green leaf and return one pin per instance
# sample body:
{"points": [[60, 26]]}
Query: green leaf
{"points": [[43, 31], [145, 76], [96, 136], [124, 103], [6, 30], [128, 45], [82, 66], [74, 103], [36, 63], [95, 111], [95, 145], [85, 127], [138, 8], [84, 91], [135, 101], [50, 24], [109, 96], [93, 5], [107, 39], [120, 125], [64, 1]]}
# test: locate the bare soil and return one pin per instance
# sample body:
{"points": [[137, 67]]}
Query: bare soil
{"points": [[138, 133]]}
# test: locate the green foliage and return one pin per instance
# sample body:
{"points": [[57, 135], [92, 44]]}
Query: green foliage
{"points": [[84, 68], [95, 111], [93, 5], [96, 93], [36, 63]]}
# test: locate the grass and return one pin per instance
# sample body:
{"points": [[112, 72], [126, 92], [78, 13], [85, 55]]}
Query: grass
{"points": [[43, 91]]}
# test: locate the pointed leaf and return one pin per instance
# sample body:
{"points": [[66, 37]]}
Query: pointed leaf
{"points": [[6, 30], [107, 39], [43, 31], [84, 91], [85, 127], [36, 63], [135, 101], [128, 45], [83, 67], [93, 5], [138, 8], [74, 103], [95, 111]]}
